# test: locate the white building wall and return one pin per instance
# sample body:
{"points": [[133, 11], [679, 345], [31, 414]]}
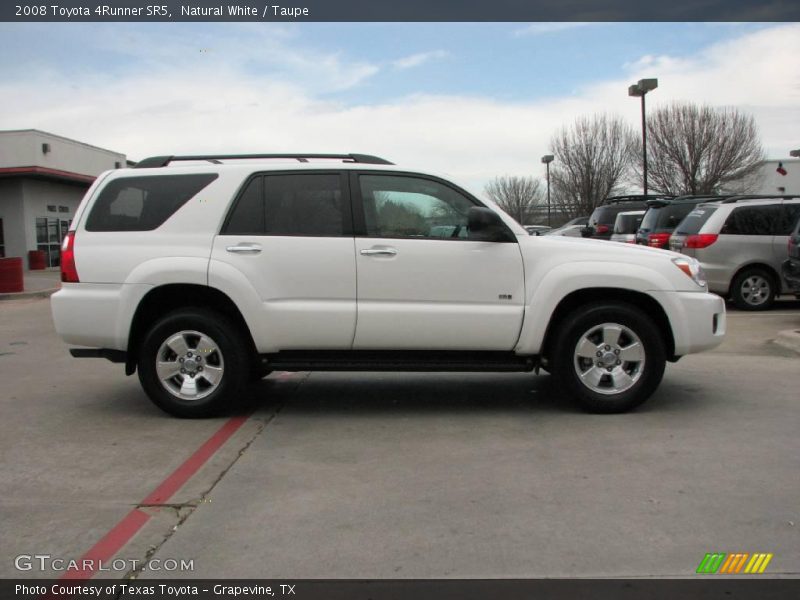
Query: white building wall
{"points": [[771, 182], [767, 180], [23, 148]]}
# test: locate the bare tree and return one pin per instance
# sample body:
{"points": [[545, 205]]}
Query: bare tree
{"points": [[520, 197], [592, 158], [694, 149]]}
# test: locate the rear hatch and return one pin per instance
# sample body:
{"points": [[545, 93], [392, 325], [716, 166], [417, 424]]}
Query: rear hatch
{"points": [[686, 235]]}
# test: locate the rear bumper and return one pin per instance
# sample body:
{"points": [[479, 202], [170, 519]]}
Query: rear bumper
{"points": [[790, 269], [697, 319], [96, 315]]}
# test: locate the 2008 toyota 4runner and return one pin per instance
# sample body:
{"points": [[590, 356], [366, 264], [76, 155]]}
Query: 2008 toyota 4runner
{"points": [[205, 272]]}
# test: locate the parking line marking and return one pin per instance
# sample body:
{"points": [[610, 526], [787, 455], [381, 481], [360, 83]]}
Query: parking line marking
{"points": [[122, 532]]}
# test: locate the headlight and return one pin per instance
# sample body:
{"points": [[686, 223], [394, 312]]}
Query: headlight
{"points": [[692, 269]]}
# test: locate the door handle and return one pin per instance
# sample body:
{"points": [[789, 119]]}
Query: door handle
{"points": [[244, 249], [379, 252]]}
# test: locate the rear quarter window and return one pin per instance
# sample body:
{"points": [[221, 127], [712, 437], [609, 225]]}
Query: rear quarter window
{"points": [[143, 203]]}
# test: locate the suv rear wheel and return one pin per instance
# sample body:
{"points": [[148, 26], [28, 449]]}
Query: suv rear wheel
{"points": [[193, 363], [753, 289], [609, 357]]}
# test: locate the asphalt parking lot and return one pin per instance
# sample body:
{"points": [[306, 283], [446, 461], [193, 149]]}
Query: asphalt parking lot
{"points": [[400, 475]]}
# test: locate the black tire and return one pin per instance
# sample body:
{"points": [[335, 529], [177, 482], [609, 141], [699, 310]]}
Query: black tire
{"points": [[645, 375], [231, 358], [764, 299]]}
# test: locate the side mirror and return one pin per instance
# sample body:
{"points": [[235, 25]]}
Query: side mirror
{"points": [[486, 225], [587, 231]]}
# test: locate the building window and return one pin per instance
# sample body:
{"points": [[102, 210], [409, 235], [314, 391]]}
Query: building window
{"points": [[2, 241], [63, 209], [51, 208], [50, 233]]}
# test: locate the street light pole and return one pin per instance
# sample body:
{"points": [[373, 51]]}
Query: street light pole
{"points": [[640, 89], [547, 159]]}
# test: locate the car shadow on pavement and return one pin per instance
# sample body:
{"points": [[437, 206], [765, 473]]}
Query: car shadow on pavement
{"points": [[373, 394]]}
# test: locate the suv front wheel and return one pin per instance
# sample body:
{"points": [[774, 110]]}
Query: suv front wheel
{"points": [[608, 357], [193, 363]]}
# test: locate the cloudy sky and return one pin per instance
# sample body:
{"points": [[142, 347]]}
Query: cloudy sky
{"points": [[473, 100]]}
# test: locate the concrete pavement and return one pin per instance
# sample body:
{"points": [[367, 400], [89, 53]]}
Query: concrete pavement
{"points": [[407, 475]]}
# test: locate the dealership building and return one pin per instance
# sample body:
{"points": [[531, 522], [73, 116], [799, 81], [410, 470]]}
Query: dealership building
{"points": [[42, 180]]}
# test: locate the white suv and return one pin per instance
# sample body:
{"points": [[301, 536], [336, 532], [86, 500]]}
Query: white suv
{"points": [[205, 272]]}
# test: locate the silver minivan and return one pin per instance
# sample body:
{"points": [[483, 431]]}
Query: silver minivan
{"points": [[740, 243]]}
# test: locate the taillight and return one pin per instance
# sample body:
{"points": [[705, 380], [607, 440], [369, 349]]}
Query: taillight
{"points": [[658, 240], [69, 273], [700, 240], [601, 228]]}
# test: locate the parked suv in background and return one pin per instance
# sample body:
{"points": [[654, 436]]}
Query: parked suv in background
{"points": [[202, 273], [741, 243], [663, 216], [601, 221], [790, 269], [626, 225]]}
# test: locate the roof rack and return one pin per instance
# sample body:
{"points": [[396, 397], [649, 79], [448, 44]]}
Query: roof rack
{"points": [[163, 161], [661, 202], [633, 198], [744, 197]]}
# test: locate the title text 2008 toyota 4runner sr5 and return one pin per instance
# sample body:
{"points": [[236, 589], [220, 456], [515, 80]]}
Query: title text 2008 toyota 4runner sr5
{"points": [[205, 272]]}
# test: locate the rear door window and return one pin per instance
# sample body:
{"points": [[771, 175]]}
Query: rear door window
{"points": [[298, 204], [143, 203], [752, 220]]}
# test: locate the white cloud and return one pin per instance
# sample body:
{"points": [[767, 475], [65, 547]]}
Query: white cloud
{"points": [[196, 106], [546, 28], [415, 60]]}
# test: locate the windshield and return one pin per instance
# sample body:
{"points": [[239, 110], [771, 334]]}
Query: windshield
{"points": [[694, 221]]}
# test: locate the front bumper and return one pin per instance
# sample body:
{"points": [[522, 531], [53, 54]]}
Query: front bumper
{"points": [[697, 319]]}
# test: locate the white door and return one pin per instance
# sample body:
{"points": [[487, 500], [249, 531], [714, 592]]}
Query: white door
{"points": [[289, 237], [422, 283]]}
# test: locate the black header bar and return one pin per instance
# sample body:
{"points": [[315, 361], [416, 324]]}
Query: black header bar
{"points": [[398, 10], [697, 588]]}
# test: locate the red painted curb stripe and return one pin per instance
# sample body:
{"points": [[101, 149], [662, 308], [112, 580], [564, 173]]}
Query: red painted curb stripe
{"points": [[123, 531], [182, 474], [109, 545]]}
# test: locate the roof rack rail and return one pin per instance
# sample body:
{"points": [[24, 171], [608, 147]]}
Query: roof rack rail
{"points": [[633, 198], [744, 197], [163, 161], [662, 202]]}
